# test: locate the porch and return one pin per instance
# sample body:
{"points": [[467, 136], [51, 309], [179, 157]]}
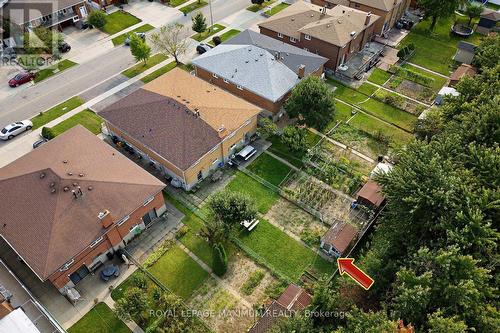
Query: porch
{"points": [[360, 62]]}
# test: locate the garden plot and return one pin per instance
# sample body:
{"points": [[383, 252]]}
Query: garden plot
{"points": [[221, 310], [366, 143]]}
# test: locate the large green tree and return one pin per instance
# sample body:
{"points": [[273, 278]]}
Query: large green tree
{"points": [[199, 23], [436, 9], [132, 306], [97, 19], [312, 102], [139, 49]]}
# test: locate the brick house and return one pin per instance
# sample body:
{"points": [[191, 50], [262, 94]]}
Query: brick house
{"points": [[81, 200], [336, 34], [258, 68], [183, 125], [390, 11]]}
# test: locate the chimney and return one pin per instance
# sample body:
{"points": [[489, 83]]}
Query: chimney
{"points": [[277, 56], [302, 71], [368, 17], [105, 218]]}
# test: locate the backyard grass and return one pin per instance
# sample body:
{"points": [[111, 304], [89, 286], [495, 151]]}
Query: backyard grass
{"points": [[293, 157], [227, 36], [57, 111], [379, 76], [256, 7], [193, 6], [159, 72], [179, 272], [269, 168], [437, 81], [48, 72], [119, 40], [207, 33], [367, 89], [142, 67], [375, 127], [263, 197], [119, 20], [282, 252], [86, 118], [276, 9], [100, 319], [342, 113]]}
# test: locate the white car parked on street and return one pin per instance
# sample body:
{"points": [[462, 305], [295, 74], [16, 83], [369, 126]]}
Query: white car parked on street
{"points": [[11, 130]]}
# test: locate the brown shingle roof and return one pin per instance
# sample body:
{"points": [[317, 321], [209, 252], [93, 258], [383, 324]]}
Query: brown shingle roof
{"points": [[179, 116], [372, 193], [462, 71], [334, 27], [340, 236], [47, 229]]}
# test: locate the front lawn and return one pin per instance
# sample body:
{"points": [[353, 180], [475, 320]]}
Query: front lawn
{"points": [[179, 272], [119, 20], [57, 111], [209, 32], [276, 9], [100, 319], [263, 197], [379, 76], [175, 3], [142, 67], [269, 168], [282, 253], [227, 36], [256, 7], [119, 40], [86, 118], [159, 72], [193, 6], [49, 71]]}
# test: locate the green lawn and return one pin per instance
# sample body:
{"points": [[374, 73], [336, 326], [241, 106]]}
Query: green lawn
{"points": [[264, 197], [282, 252], [438, 81], [117, 21], [269, 168], [276, 9], [159, 72], [373, 126], [179, 272], [120, 39], [48, 72], [175, 3], [359, 140], [193, 6], [207, 33], [100, 319], [141, 66], [227, 36], [367, 89], [256, 7], [86, 118], [57, 111], [379, 76], [293, 157]]}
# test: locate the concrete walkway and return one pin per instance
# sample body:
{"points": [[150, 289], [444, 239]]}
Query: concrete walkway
{"points": [[212, 274], [399, 94]]}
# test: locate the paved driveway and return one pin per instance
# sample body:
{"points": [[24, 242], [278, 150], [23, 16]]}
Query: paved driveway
{"points": [[153, 13]]}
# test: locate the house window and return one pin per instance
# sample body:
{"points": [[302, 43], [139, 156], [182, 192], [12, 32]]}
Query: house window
{"points": [[308, 37], [215, 161], [356, 5], [123, 220], [293, 40], [97, 241], [148, 201], [66, 266], [226, 81], [215, 75], [239, 87], [280, 35]]}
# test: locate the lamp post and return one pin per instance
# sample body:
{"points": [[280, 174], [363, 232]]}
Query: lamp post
{"points": [[211, 15]]}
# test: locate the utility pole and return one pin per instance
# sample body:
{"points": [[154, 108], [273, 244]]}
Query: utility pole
{"points": [[211, 15]]}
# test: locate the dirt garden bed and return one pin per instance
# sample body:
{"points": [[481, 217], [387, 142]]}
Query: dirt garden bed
{"points": [[412, 89]]}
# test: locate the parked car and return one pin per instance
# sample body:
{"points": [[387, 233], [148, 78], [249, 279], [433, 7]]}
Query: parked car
{"points": [[202, 48], [38, 143], [11, 130], [242, 156], [21, 78], [141, 35], [8, 54], [64, 47]]}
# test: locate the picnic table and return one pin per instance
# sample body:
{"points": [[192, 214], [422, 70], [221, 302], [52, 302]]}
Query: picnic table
{"points": [[250, 225], [109, 272]]}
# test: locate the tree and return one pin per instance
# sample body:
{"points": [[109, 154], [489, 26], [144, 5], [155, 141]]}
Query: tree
{"points": [[219, 260], [440, 324], [97, 19], [132, 306], [438, 9], [267, 128], [429, 126], [368, 322], [294, 138], [231, 208], [473, 10], [258, 2], [199, 23], [169, 40], [312, 102], [487, 52], [139, 49], [213, 231]]}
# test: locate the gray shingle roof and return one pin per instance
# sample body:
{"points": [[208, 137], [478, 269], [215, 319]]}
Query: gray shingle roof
{"points": [[291, 56]]}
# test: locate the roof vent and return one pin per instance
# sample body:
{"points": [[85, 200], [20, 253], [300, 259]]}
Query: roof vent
{"points": [[75, 184], [353, 33], [81, 175], [65, 161], [66, 189], [42, 175], [293, 18], [221, 128], [70, 173], [328, 25], [53, 190], [90, 188], [246, 61]]}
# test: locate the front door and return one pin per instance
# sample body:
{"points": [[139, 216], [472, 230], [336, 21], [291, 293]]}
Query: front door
{"points": [[78, 276], [83, 11], [149, 217]]}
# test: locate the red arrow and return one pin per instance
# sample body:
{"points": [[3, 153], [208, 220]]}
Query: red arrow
{"points": [[346, 266]]}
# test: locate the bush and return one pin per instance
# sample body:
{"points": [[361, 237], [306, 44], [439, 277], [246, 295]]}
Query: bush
{"points": [[253, 281], [216, 40], [48, 133], [220, 260], [139, 280], [294, 138], [97, 19], [182, 231], [311, 237], [156, 255]]}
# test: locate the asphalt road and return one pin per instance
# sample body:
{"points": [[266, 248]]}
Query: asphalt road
{"points": [[91, 74]]}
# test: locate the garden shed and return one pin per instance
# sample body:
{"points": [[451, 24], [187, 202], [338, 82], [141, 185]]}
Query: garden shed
{"points": [[465, 52], [336, 240], [488, 21], [445, 91], [460, 72], [370, 195]]}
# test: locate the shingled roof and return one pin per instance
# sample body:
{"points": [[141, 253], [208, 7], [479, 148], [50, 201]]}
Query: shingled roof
{"points": [[338, 26], [40, 217]]}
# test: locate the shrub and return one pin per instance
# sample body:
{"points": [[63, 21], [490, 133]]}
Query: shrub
{"points": [[253, 281], [216, 40], [48, 133], [220, 260], [97, 19], [139, 280], [182, 231], [156, 255], [274, 290], [311, 237], [294, 138]]}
